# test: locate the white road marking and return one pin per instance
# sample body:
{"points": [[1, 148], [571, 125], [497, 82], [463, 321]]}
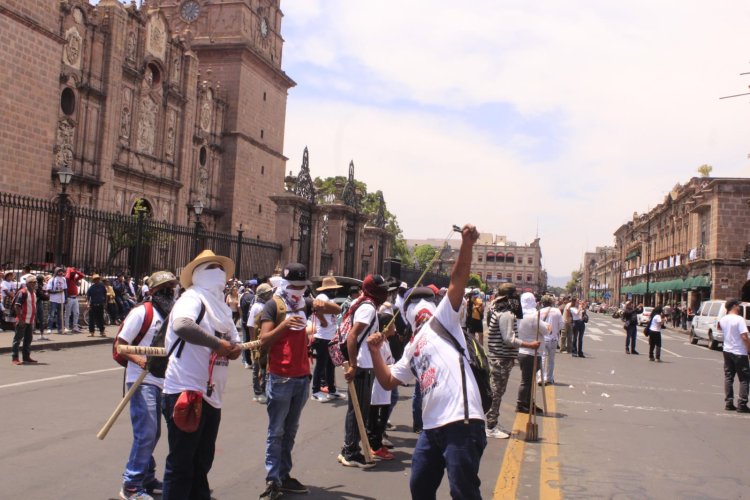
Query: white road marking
{"points": [[99, 371], [594, 337], [59, 377], [593, 329], [36, 381]]}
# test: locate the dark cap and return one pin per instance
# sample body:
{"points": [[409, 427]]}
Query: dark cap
{"points": [[506, 289], [296, 274]]}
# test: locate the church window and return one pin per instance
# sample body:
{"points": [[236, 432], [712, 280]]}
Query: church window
{"points": [[68, 101]]}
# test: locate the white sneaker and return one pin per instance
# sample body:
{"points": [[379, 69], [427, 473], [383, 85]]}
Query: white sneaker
{"points": [[262, 399], [320, 396], [47, 331], [67, 330], [335, 395], [496, 433]]}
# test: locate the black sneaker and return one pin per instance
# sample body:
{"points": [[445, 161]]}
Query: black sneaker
{"points": [[153, 487], [291, 485], [743, 409], [730, 407], [635, 352], [357, 460], [271, 492]]}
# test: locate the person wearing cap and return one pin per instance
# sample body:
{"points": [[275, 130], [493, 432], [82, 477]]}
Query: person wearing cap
{"points": [[325, 329], [736, 345], [204, 339], [553, 316], [453, 438], [7, 292], [263, 294], [139, 477], [288, 379], [25, 309], [502, 352], [364, 318], [97, 297], [530, 330], [56, 287]]}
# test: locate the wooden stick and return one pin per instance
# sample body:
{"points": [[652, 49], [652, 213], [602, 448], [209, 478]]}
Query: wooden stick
{"points": [[162, 352], [360, 421], [111, 421]]}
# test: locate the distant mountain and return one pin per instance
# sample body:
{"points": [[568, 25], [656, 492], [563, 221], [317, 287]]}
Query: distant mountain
{"points": [[558, 280]]}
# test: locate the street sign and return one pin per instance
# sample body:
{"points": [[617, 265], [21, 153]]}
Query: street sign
{"points": [[607, 295]]}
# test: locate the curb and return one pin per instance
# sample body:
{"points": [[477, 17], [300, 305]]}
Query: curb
{"points": [[56, 346]]}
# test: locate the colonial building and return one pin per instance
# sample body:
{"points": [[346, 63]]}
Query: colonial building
{"points": [[169, 104], [693, 246], [598, 274]]}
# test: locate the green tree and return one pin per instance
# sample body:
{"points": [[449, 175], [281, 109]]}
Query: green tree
{"points": [[575, 279], [424, 254], [705, 170], [476, 282]]}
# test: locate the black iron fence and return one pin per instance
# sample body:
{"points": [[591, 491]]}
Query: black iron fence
{"points": [[43, 233]]}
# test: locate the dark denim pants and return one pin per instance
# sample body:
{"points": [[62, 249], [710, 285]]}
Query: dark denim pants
{"points": [[23, 335], [526, 362], [456, 447], [286, 398], [654, 345], [191, 454], [739, 365], [631, 332], [577, 342], [363, 385]]}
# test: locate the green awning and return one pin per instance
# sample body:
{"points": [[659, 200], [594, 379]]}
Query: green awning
{"points": [[633, 254], [592, 294], [702, 281], [639, 289]]}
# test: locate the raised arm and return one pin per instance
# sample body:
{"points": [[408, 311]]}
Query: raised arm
{"points": [[462, 267]]}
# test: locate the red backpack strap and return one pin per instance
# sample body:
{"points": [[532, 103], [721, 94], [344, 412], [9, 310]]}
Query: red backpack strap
{"points": [[147, 320]]}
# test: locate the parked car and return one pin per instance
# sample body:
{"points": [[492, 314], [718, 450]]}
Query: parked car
{"points": [[705, 322], [594, 307], [645, 316]]}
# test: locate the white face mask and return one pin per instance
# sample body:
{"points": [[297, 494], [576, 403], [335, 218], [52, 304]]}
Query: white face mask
{"points": [[417, 314], [210, 279], [295, 295]]}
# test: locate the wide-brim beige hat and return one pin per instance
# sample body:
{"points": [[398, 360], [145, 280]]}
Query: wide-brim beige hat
{"points": [[186, 276], [329, 283]]}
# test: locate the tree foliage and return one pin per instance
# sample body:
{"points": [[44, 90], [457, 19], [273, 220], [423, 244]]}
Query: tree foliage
{"points": [[705, 170], [476, 282], [575, 279], [424, 254]]}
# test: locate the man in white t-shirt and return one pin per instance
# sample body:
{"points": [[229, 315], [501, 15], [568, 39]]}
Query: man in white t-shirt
{"points": [[325, 329], [453, 437], [203, 338], [364, 318], [736, 345], [139, 478], [56, 287]]}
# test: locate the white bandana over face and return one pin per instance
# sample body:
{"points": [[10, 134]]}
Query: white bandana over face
{"points": [[528, 304], [418, 314], [209, 285]]}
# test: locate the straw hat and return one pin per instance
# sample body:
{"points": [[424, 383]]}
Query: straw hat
{"points": [[329, 283], [95, 277], [186, 276]]}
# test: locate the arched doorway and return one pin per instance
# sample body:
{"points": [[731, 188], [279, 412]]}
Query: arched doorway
{"points": [[139, 252]]}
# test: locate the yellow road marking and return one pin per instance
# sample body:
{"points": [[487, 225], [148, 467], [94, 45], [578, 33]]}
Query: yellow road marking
{"points": [[510, 472], [549, 475], [506, 486]]}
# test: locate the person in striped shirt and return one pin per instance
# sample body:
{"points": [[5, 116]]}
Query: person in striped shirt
{"points": [[25, 305], [503, 344]]}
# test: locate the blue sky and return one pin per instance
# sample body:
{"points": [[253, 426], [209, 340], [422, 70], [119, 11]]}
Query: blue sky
{"points": [[509, 113]]}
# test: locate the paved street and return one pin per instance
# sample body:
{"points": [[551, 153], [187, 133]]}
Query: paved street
{"points": [[624, 428]]}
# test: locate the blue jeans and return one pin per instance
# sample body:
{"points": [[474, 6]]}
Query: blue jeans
{"points": [[191, 454], [55, 317], [286, 398], [144, 416], [455, 447], [578, 328], [631, 332]]}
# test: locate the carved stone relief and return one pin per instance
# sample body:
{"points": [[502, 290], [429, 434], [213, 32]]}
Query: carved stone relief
{"points": [[202, 183], [156, 41], [118, 200], [205, 116], [127, 113], [130, 46], [64, 144], [169, 145], [147, 125], [72, 50], [176, 67], [78, 16]]}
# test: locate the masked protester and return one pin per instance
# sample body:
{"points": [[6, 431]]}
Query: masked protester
{"points": [[453, 438], [364, 318], [202, 338], [139, 479]]}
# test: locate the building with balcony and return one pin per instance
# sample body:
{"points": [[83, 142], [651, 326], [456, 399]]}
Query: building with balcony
{"points": [[497, 260], [692, 247]]}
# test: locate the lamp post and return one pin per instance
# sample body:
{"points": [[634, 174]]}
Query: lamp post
{"points": [[198, 209], [647, 234], [65, 174], [238, 260]]}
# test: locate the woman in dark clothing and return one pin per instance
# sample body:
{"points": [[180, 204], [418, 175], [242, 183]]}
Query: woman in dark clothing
{"points": [[630, 317]]}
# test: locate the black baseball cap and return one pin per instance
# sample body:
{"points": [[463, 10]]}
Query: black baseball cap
{"points": [[296, 274]]}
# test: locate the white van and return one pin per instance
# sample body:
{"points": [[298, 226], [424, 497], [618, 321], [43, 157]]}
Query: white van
{"points": [[704, 325]]}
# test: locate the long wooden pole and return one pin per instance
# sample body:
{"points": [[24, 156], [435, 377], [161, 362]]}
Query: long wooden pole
{"points": [[113, 418], [161, 352], [360, 421]]}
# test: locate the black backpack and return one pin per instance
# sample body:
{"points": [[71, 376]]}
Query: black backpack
{"points": [[477, 361]]}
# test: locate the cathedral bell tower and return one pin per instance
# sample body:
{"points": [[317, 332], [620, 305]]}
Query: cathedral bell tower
{"points": [[239, 43]]}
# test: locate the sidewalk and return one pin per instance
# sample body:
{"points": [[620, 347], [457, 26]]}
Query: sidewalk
{"points": [[56, 341]]}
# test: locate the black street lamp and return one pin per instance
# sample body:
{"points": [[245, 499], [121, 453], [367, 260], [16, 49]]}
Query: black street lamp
{"points": [[65, 174], [198, 209], [238, 260]]}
